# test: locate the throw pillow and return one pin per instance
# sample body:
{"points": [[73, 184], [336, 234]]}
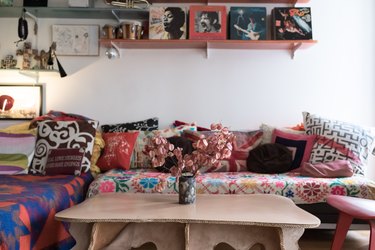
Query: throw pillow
{"points": [[53, 115], [66, 161], [333, 169], [268, 130], [338, 140], [63, 134], [299, 144], [145, 125], [16, 153], [179, 123], [118, 150], [270, 158]]}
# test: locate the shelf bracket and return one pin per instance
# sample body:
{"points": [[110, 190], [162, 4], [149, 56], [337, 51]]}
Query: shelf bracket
{"points": [[295, 46]]}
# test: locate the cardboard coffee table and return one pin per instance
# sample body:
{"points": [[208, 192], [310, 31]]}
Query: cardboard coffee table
{"points": [[123, 221]]}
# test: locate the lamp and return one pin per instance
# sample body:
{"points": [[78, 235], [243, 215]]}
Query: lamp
{"points": [[52, 53]]}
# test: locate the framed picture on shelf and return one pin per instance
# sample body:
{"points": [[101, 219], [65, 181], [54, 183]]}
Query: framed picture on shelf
{"points": [[208, 22], [76, 40], [292, 23], [167, 23], [247, 23], [20, 102]]}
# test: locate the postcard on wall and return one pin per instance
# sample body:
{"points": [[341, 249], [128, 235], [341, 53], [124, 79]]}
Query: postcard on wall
{"points": [[20, 102], [292, 23], [167, 23], [76, 40], [247, 23]]}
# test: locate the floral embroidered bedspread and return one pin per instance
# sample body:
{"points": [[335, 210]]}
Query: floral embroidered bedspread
{"points": [[302, 190], [27, 209]]}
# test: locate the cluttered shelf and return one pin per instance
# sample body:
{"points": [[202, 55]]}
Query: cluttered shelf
{"points": [[218, 44]]}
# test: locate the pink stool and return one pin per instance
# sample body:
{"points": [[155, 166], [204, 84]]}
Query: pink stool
{"points": [[350, 208]]}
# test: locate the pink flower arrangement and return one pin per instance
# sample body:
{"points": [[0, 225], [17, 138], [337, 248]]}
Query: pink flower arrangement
{"points": [[208, 151]]}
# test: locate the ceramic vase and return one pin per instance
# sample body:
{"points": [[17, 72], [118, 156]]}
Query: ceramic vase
{"points": [[186, 189]]}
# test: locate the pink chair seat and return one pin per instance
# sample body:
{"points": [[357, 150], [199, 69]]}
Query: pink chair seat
{"points": [[357, 207], [349, 208]]}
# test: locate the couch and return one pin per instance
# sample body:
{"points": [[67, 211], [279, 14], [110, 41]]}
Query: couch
{"points": [[321, 140]]}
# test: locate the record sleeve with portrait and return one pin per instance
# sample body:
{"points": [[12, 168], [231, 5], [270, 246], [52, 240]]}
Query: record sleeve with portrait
{"points": [[167, 23], [208, 22], [247, 23]]}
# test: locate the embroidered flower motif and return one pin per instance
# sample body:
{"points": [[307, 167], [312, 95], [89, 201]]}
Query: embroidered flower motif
{"points": [[338, 190], [149, 183], [107, 187]]}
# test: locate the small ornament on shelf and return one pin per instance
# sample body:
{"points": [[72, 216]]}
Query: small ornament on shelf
{"points": [[8, 63]]}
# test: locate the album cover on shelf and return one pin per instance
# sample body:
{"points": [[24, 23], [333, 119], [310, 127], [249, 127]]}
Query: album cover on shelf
{"points": [[208, 22], [167, 23], [247, 23], [292, 23]]}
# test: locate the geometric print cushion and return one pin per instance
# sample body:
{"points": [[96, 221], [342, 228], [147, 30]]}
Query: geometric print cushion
{"points": [[145, 125], [337, 140], [63, 134]]}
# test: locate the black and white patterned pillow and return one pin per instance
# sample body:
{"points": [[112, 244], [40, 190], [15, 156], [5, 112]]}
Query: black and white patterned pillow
{"points": [[63, 134], [337, 140], [145, 125]]}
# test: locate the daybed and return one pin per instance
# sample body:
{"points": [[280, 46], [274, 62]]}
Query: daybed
{"points": [[329, 140]]}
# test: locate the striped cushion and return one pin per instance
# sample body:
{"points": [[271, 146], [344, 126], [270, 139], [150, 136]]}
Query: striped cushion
{"points": [[16, 153]]}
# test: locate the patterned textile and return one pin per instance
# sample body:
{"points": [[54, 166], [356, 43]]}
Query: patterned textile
{"points": [[63, 134], [118, 150], [64, 161], [16, 152], [302, 190], [27, 208], [337, 140], [145, 125]]}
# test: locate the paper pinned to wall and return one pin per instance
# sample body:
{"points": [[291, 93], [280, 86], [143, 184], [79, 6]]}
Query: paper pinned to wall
{"points": [[76, 40]]}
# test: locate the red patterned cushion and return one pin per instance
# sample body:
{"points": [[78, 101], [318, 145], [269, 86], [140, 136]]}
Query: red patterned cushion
{"points": [[66, 161], [118, 150]]}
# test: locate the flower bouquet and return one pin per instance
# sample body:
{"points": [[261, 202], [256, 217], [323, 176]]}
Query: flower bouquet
{"points": [[208, 151]]}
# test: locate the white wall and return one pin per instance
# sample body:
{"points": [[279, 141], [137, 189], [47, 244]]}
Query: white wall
{"points": [[240, 88]]}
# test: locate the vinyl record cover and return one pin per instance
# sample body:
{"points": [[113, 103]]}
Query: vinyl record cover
{"points": [[167, 23], [292, 23], [247, 23]]}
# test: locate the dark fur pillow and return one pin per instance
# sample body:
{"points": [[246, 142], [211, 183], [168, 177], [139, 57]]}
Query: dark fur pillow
{"points": [[270, 158]]}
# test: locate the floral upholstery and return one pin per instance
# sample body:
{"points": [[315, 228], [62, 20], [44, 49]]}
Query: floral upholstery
{"points": [[302, 190]]}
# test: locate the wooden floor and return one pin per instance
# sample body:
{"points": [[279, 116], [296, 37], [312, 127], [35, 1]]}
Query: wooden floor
{"points": [[314, 239]]}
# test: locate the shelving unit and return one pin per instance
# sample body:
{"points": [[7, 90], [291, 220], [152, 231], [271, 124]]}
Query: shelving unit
{"points": [[111, 12], [291, 45]]}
